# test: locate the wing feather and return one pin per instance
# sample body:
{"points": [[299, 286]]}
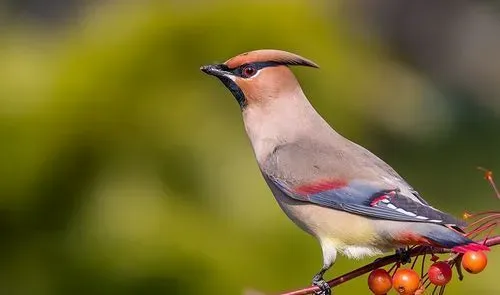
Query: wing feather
{"points": [[307, 172]]}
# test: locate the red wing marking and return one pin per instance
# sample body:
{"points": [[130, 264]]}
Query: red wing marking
{"points": [[320, 186], [408, 238]]}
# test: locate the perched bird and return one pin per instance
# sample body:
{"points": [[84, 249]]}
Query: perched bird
{"points": [[339, 192]]}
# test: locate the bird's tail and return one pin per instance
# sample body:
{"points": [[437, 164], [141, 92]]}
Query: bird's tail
{"points": [[446, 237]]}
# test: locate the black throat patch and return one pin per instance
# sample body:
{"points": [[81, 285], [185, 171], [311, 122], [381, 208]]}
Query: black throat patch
{"points": [[235, 90]]}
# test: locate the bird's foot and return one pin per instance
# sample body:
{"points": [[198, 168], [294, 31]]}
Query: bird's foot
{"points": [[322, 284], [403, 255]]}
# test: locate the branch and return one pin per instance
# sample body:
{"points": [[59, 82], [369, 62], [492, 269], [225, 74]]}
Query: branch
{"points": [[390, 259]]}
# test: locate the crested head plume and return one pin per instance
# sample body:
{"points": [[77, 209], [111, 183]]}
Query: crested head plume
{"points": [[269, 55]]}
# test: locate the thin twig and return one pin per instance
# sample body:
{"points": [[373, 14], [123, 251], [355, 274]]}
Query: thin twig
{"points": [[488, 174]]}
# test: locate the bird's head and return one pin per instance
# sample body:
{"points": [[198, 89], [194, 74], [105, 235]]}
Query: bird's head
{"points": [[258, 76]]}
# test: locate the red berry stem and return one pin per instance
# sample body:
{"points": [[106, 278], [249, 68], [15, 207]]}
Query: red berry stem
{"points": [[488, 218], [480, 229], [422, 273], [393, 268], [488, 174], [415, 260]]}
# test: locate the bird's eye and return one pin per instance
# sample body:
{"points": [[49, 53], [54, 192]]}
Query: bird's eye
{"points": [[248, 71]]}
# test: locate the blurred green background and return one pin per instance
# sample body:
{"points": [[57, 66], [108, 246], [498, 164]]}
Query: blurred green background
{"points": [[125, 170]]}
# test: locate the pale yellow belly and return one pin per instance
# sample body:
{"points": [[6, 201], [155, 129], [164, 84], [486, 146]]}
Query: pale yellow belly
{"points": [[353, 235]]}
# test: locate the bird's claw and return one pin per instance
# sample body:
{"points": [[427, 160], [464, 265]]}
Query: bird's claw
{"points": [[323, 285], [403, 255]]}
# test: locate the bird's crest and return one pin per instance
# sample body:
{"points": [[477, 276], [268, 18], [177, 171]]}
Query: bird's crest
{"points": [[269, 55]]}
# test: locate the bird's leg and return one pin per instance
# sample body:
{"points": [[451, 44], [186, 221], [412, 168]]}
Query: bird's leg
{"points": [[329, 256], [403, 255], [321, 283]]}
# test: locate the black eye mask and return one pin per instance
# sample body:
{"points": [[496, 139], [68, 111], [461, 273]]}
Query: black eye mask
{"points": [[256, 65]]}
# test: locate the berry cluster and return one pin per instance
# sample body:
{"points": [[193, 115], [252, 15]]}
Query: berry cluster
{"points": [[406, 281]]}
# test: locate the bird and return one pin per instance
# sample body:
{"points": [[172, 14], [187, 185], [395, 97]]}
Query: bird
{"points": [[349, 199]]}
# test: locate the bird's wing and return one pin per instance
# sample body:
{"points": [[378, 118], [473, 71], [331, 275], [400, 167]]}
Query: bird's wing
{"points": [[326, 177]]}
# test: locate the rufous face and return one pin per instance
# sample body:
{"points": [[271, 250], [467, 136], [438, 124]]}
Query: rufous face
{"points": [[258, 76]]}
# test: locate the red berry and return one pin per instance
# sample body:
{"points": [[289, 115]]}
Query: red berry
{"points": [[440, 273], [474, 262], [406, 281], [379, 281]]}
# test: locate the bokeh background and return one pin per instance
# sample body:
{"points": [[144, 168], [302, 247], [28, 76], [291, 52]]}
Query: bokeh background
{"points": [[125, 170]]}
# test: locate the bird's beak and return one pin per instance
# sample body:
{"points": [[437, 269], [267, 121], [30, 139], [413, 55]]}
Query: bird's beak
{"points": [[217, 70]]}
